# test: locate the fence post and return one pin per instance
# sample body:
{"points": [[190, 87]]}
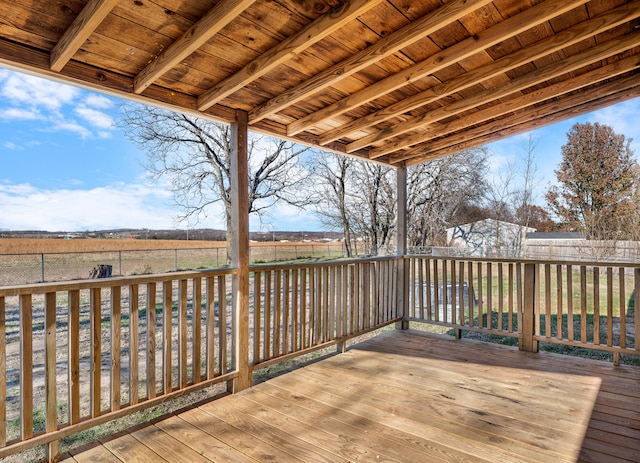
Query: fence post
{"points": [[527, 317], [42, 265], [120, 261]]}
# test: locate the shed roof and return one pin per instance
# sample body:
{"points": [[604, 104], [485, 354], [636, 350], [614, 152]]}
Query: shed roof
{"points": [[396, 81]]}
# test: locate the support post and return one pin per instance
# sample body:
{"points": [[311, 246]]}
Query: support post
{"points": [[240, 250], [401, 249], [527, 318]]}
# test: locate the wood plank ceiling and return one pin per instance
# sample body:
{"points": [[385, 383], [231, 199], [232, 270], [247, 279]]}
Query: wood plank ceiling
{"points": [[397, 81]]}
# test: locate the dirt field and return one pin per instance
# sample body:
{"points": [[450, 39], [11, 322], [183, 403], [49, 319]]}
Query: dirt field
{"points": [[51, 245]]}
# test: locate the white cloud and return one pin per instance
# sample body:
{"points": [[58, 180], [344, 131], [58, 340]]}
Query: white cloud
{"points": [[10, 145], [27, 207], [60, 107], [70, 126], [95, 118], [14, 114], [98, 101], [22, 89]]}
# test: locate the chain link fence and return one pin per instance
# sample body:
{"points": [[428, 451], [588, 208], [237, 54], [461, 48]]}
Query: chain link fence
{"points": [[22, 269]]}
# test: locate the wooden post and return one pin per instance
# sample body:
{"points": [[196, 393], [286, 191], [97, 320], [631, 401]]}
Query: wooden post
{"points": [[240, 249], [527, 325], [402, 298]]}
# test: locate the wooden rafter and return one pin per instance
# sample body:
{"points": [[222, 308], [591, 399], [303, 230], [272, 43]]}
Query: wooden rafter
{"points": [[529, 54], [210, 24], [314, 32], [515, 104], [388, 45], [82, 27], [447, 14], [462, 50], [544, 118]]}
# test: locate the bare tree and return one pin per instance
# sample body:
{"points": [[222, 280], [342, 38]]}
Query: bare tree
{"points": [[332, 183], [438, 189], [359, 198], [374, 209], [194, 156]]}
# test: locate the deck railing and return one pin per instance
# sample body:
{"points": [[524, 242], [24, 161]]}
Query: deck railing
{"points": [[578, 304], [298, 308], [76, 354]]}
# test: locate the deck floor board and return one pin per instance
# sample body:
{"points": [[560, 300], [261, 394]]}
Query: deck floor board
{"points": [[408, 397]]}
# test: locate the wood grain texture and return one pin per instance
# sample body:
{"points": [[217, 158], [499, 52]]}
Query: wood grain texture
{"points": [[461, 401]]}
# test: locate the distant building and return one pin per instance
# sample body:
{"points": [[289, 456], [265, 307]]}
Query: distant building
{"points": [[489, 238]]}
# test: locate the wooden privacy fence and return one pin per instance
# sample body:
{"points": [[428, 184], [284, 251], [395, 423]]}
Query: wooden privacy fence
{"points": [[577, 304]]}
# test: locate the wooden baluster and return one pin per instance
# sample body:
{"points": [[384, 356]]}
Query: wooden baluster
{"points": [[197, 329], [527, 342], [295, 308], [74, 356], [510, 300], [167, 339], [151, 340], [609, 306], [559, 310], [134, 326], [51, 402], [436, 292], [267, 315], [489, 295], [500, 325], [596, 305], [583, 304], [3, 373], [222, 323], [277, 309], [96, 351], [257, 316], [547, 301], [116, 346], [303, 309], [182, 332], [520, 296], [285, 314], [623, 308], [570, 335], [480, 295], [470, 293]]}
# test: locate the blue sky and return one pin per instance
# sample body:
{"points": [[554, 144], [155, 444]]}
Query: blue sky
{"points": [[65, 166]]}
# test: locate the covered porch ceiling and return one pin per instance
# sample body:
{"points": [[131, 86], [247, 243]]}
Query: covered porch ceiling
{"points": [[396, 81]]}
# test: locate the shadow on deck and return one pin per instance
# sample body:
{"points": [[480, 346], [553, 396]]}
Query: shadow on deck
{"points": [[407, 397]]}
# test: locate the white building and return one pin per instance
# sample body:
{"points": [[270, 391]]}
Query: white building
{"points": [[488, 238]]}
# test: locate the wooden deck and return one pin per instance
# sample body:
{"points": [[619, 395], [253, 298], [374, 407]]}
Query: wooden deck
{"points": [[408, 397]]}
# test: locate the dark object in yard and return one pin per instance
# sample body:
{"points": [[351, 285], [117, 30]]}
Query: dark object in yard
{"points": [[101, 271]]}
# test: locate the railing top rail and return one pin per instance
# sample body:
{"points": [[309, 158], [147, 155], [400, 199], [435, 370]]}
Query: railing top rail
{"points": [[41, 288], [328, 263], [528, 261]]}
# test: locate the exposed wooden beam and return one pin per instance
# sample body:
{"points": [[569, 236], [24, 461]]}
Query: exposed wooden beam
{"points": [[287, 49], [515, 104], [402, 38], [470, 46], [523, 117], [82, 27], [210, 24], [546, 73], [545, 118], [450, 12], [476, 76]]}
